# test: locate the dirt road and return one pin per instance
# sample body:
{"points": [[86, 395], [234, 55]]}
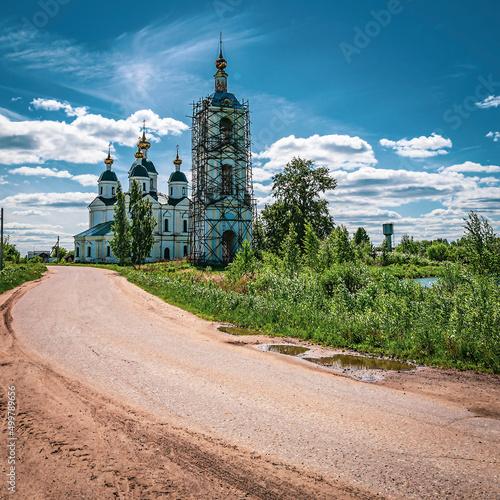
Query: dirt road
{"points": [[121, 395]]}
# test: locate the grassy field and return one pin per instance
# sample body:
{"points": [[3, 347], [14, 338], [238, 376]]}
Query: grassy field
{"points": [[16, 274]]}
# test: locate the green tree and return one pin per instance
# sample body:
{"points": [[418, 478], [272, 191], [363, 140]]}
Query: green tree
{"points": [[297, 193], [243, 263], [408, 245], [342, 248], [361, 236], [438, 251], [482, 247], [120, 242], [60, 254], [291, 249], [142, 224], [10, 253], [311, 247]]}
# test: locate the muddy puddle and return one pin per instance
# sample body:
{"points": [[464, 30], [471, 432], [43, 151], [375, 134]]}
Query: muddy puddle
{"points": [[233, 330], [287, 349], [338, 361], [345, 361]]}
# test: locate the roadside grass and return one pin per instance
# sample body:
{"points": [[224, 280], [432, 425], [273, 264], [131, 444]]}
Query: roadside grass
{"points": [[17, 274]]}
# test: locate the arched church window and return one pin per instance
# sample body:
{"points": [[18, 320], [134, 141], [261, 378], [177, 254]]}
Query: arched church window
{"points": [[185, 226], [166, 254], [144, 186], [226, 128], [78, 251], [227, 179], [113, 191], [101, 190], [166, 226], [89, 251]]}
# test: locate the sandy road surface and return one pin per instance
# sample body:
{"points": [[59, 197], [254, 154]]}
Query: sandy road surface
{"points": [[102, 335]]}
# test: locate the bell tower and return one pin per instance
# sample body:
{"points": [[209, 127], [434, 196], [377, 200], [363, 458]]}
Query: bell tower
{"points": [[223, 206]]}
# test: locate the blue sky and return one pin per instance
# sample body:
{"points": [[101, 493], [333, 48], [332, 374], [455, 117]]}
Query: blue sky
{"points": [[399, 98]]}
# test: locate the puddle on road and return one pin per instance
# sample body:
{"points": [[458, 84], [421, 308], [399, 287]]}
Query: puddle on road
{"points": [[287, 349], [359, 363], [233, 330], [338, 361]]}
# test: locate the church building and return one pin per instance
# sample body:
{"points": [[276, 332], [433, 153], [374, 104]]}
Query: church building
{"points": [[171, 211], [210, 227]]}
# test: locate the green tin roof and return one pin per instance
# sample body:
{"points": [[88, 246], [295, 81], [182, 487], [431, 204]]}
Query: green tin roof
{"points": [[99, 230]]}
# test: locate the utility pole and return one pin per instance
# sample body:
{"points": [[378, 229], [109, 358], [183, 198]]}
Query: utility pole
{"points": [[57, 250], [1, 240]]}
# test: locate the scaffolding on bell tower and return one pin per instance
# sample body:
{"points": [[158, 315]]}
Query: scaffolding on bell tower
{"points": [[223, 206]]}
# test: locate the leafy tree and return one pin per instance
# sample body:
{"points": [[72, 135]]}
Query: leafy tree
{"points": [[10, 253], [120, 243], [142, 224], [311, 247], [297, 193], [481, 244], [408, 245], [291, 249], [438, 251], [342, 248], [243, 263], [361, 236], [62, 252]]}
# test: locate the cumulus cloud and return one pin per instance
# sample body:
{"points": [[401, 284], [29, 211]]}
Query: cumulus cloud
{"points": [[419, 147], [29, 213], [84, 140], [470, 166], [490, 102], [69, 199], [494, 135], [53, 105], [334, 151], [84, 179]]}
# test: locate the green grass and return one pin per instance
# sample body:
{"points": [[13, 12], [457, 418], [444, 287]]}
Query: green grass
{"points": [[15, 275]]}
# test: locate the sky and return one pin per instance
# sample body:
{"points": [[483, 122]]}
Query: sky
{"points": [[400, 99]]}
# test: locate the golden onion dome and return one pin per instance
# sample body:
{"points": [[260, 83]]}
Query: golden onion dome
{"points": [[139, 154], [143, 143], [109, 161], [221, 63], [177, 161]]}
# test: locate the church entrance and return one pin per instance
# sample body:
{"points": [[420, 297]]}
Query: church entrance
{"points": [[228, 246], [166, 254]]}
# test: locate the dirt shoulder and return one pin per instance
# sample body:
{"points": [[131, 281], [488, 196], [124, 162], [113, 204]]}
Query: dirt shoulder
{"points": [[73, 442]]}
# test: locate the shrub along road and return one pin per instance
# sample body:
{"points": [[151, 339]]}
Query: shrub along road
{"points": [[121, 394]]}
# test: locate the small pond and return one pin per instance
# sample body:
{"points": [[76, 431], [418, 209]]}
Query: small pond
{"points": [[427, 282]]}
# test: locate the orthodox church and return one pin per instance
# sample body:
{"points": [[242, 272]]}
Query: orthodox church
{"points": [[210, 227]]}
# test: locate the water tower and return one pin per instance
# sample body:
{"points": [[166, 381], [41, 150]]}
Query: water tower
{"points": [[388, 230]]}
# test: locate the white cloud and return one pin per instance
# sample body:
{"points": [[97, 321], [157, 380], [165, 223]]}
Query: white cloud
{"points": [[2, 180], [69, 199], [29, 213], [83, 179], [419, 147], [13, 99], [490, 102], [53, 105], [494, 135], [84, 140], [334, 151], [470, 166], [41, 172]]}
